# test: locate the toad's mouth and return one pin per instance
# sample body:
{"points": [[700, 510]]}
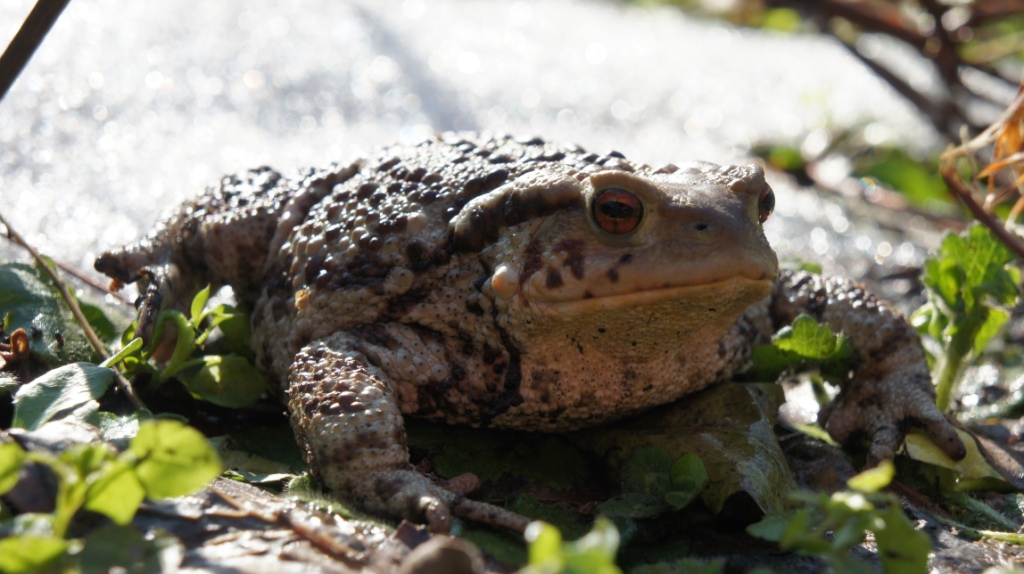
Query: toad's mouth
{"points": [[730, 295]]}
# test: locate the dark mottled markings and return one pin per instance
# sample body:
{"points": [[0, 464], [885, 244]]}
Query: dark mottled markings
{"points": [[387, 164], [457, 372], [483, 184], [541, 155], [415, 250], [554, 279], [484, 223], [366, 190], [613, 275], [474, 308], [376, 334], [490, 355], [531, 261], [573, 249], [401, 305]]}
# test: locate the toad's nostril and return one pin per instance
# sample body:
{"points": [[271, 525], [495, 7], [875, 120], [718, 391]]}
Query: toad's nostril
{"points": [[701, 226]]}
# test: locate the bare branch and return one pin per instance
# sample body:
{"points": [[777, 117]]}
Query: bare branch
{"points": [[28, 38]]}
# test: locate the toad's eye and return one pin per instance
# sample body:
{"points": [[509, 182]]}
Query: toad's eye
{"points": [[617, 211], [765, 203]]}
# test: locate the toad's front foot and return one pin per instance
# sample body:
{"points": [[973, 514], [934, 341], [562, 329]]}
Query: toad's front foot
{"points": [[882, 408], [413, 496]]}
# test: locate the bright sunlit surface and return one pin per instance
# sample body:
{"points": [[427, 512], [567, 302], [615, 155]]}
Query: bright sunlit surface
{"points": [[130, 107]]}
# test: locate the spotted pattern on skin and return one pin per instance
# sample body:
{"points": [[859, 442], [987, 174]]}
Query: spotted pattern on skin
{"points": [[466, 279]]}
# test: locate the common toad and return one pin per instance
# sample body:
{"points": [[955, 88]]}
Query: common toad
{"points": [[518, 284]]}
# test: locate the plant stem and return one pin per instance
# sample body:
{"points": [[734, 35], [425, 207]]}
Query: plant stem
{"points": [[949, 371]]}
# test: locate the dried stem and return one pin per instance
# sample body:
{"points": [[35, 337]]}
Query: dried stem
{"points": [[72, 304], [964, 195], [28, 38]]}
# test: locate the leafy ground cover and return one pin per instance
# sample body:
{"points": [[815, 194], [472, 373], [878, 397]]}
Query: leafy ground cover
{"points": [[711, 466], [713, 483]]}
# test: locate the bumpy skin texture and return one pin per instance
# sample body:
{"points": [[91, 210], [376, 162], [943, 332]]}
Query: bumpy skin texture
{"points": [[516, 284]]}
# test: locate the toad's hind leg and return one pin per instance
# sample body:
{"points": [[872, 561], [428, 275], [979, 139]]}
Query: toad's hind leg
{"points": [[348, 423]]}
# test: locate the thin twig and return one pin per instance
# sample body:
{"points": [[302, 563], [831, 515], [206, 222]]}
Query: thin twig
{"points": [[939, 114], [72, 304], [964, 195], [85, 279], [28, 38]]}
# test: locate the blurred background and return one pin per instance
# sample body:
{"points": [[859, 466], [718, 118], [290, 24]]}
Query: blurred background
{"points": [[131, 107]]}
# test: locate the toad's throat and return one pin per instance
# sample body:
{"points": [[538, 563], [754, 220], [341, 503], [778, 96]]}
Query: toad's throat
{"points": [[730, 295]]}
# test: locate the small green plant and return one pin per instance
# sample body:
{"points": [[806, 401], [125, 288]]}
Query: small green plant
{"points": [[828, 526], [653, 484], [594, 553], [970, 288], [165, 459], [228, 380], [805, 341]]}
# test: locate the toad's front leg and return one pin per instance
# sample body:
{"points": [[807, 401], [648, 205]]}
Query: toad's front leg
{"points": [[349, 426], [891, 386]]}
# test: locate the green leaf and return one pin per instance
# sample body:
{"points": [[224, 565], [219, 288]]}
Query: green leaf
{"points": [[119, 430], [228, 381], [184, 345], [127, 350], [593, 553], [234, 326], [971, 470], [652, 484], [808, 338], [873, 479], [8, 384], [71, 390], [101, 324], [116, 492], [804, 341], [30, 553], [782, 20], [917, 180], [647, 472], [545, 544], [198, 304], [172, 459], [12, 458], [28, 301], [773, 525], [687, 471], [901, 547], [994, 320]]}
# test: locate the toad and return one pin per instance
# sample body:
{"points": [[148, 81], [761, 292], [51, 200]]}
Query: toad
{"points": [[489, 281]]}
